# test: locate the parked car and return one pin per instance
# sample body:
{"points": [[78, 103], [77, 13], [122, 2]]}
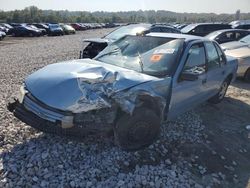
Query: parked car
{"points": [[24, 31], [43, 31], [67, 29], [228, 35], [129, 88], [42, 26], [245, 41], [55, 30], [241, 24], [2, 35], [96, 45], [78, 27], [6, 25], [243, 56], [4, 29], [203, 29]]}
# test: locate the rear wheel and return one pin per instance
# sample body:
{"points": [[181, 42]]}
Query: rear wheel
{"points": [[221, 94], [137, 131], [247, 75]]}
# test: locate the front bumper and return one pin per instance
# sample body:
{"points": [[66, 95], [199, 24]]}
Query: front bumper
{"points": [[44, 119]]}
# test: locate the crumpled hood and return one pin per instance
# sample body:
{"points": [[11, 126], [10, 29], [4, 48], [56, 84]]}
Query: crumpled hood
{"points": [[81, 85]]}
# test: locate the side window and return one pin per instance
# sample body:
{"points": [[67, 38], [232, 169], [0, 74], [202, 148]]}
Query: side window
{"points": [[166, 30], [212, 55], [226, 37], [221, 55], [155, 29], [198, 29], [196, 58], [246, 26], [241, 34]]}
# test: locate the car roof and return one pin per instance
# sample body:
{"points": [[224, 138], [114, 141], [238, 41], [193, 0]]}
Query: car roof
{"points": [[226, 30], [177, 36]]}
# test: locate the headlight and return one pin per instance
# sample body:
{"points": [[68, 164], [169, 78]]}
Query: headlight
{"points": [[22, 93]]}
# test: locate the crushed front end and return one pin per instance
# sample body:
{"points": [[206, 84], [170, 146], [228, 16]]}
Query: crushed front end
{"points": [[38, 115]]}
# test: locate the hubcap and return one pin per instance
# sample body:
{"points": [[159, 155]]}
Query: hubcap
{"points": [[223, 90], [138, 132]]}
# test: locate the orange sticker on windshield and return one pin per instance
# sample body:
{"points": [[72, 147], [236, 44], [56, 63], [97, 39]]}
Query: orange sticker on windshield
{"points": [[155, 58]]}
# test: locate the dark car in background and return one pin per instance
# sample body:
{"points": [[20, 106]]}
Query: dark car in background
{"points": [[228, 35], [25, 31], [96, 45], [41, 26], [203, 29], [44, 32], [55, 30], [67, 29]]}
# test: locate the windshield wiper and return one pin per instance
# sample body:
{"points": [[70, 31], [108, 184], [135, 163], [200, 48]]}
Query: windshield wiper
{"points": [[140, 61]]}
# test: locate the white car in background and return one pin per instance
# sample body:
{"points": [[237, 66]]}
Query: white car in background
{"points": [[243, 56], [2, 35]]}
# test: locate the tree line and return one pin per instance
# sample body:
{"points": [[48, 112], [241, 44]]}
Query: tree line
{"points": [[33, 14]]}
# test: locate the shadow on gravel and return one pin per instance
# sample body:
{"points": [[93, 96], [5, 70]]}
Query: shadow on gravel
{"points": [[241, 84], [227, 145]]}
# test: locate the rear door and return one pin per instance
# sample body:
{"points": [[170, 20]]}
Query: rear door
{"points": [[187, 94], [215, 68]]}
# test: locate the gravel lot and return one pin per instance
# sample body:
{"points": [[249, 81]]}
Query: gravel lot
{"points": [[206, 147]]}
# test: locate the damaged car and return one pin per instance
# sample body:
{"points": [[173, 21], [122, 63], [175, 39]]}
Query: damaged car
{"points": [[92, 47], [129, 88]]}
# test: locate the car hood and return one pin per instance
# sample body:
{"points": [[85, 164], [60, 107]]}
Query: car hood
{"points": [[233, 45], [242, 52], [98, 40], [82, 85]]}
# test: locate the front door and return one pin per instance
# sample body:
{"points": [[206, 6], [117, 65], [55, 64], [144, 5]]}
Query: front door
{"points": [[186, 93]]}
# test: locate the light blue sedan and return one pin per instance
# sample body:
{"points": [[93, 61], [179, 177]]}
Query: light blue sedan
{"points": [[129, 88]]}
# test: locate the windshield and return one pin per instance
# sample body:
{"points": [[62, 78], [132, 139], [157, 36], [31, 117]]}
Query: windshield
{"points": [[127, 30], [213, 34], [151, 55], [246, 39], [54, 26], [188, 28]]}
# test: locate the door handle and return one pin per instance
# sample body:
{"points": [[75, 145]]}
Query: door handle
{"points": [[204, 81]]}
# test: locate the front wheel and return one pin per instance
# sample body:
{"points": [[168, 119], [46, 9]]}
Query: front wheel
{"points": [[221, 94], [133, 132]]}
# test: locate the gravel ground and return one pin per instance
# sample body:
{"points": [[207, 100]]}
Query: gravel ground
{"points": [[29, 158]]}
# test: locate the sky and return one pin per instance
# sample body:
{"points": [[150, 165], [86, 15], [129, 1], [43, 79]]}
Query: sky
{"points": [[191, 6]]}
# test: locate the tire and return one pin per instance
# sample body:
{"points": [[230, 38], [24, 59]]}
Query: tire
{"points": [[221, 94], [137, 131], [247, 75]]}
